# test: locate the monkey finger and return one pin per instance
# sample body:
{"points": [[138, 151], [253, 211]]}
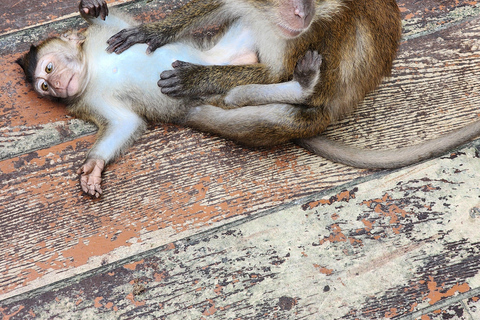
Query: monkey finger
{"points": [[104, 11], [167, 74], [173, 82], [84, 183], [125, 45], [93, 10], [116, 40], [153, 45], [180, 64], [174, 92]]}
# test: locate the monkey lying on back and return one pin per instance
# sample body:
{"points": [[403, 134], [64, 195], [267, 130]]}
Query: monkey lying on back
{"points": [[358, 41], [119, 93]]}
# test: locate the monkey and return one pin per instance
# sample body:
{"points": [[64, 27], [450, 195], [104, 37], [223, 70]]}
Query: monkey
{"points": [[119, 94], [357, 40], [120, 113]]}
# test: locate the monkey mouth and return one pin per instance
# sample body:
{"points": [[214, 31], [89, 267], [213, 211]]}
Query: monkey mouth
{"points": [[68, 86], [289, 32]]}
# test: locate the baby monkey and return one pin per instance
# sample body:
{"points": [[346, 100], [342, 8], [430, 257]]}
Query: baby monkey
{"points": [[119, 93], [282, 70]]}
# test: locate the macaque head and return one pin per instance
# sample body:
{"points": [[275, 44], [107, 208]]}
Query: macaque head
{"points": [[57, 68], [293, 17]]}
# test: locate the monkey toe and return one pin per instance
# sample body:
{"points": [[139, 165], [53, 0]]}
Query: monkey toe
{"points": [[173, 91], [181, 64]]}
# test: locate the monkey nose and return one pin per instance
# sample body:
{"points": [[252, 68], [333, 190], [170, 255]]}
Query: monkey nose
{"points": [[299, 12]]}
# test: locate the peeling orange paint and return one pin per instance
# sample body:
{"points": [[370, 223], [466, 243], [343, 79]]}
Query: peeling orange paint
{"points": [[97, 303], [132, 266], [368, 224], [436, 295], [218, 289], [392, 313], [413, 306], [211, 310], [335, 236], [97, 245], [133, 301], [8, 316], [342, 196], [159, 276], [323, 269]]}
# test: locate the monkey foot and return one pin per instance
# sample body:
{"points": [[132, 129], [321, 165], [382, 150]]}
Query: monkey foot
{"points": [[91, 176], [307, 71]]}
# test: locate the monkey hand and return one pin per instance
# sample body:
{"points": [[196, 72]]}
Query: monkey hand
{"points": [[91, 176], [307, 71], [179, 82], [126, 38], [93, 8]]}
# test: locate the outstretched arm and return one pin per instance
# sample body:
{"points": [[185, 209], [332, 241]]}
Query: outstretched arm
{"points": [[161, 32], [118, 128]]}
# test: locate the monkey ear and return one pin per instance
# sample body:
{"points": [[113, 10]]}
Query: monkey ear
{"points": [[19, 61], [28, 62], [73, 36]]}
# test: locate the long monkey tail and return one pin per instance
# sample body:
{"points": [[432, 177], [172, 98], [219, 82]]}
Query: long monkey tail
{"points": [[393, 158]]}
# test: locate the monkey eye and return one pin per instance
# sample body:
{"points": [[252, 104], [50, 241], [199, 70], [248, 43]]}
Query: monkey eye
{"points": [[49, 68], [44, 86]]}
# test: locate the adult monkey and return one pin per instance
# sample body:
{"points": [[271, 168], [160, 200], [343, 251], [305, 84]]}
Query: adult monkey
{"points": [[357, 39], [119, 93]]}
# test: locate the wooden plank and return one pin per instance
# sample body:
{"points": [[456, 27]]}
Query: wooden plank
{"points": [[174, 184], [433, 90], [407, 244], [19, 102], [423, 17]]}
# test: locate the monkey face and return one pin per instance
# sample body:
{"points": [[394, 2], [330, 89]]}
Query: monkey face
{"points": [[61, 71]]}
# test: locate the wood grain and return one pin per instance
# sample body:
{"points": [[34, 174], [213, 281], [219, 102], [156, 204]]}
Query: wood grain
{"points": [[177, 183], [403, 247]]}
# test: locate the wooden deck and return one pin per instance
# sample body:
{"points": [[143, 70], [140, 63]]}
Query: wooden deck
{"points": [[195, 227]]}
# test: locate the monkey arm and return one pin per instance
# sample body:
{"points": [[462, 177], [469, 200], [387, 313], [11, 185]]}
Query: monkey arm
{"points": [[118, 128], [161, 32], [191, 80]]}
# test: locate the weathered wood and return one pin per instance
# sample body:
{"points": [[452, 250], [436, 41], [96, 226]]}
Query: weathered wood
{"points": [[177, 183], [19, 101], [433, 90], [378, 250], [171, 191]]}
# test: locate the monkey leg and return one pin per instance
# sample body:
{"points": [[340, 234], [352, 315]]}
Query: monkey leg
{"points": [[306, 76], [193, 80], [259, 126]]}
